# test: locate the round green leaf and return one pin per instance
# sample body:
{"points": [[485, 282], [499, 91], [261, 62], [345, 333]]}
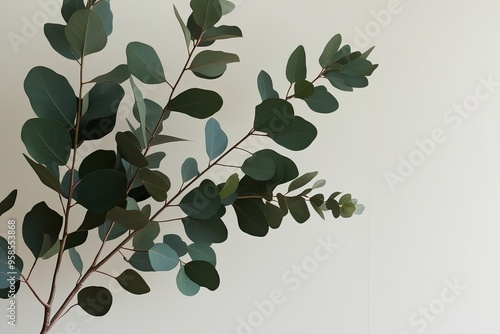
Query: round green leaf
{"points": [[163, 257], [202, 252], [211, 230], [156, 183], [203, 273], [47, 141], [185, 285], [131, 281], [101, 190], [274, 215], [197, 103], [117, 230], [331, 48], [69, 7], [358, 66], [303, 89], [259, 167], [143, 63], [85, 32], [129, 149], [95, 300], [230, 186], [298, 136], [154, 160], [140, 261], [44, 175], [273, 116], [144, 239], [103, 8], [298, 208], [130, 219], [215, 139]]}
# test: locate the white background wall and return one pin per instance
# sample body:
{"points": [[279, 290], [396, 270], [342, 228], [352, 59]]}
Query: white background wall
{"points": [[434, 227]]}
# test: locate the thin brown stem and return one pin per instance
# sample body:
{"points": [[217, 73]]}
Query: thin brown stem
{"points": [[37, 296]]}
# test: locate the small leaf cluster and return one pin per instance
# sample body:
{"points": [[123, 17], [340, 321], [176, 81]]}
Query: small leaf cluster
{"points": [[114, 186]]}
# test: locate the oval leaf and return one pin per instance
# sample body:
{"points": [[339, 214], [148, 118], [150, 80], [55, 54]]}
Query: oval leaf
{"points": [[212, 64], [129, 150], [230, 186], [330, 50], [41, 228], [197, 103], [202, 252], [130, 219], [298, 208], [177, 244], [144, 239], [273, 116], [206, 13], [156, 183], [212, 230], [322, 101], [76, 260], [44, 175], [163, 257], [131, 281], [298, 136], [301, 181], [296, 67], [8, 202], [202, 202], [303, 89], [104, 10], [100, 159], [57, 38], [189, 169], [265, 85], [95, 300], [119, 75], [203, 274], [259, 167], [85, 32], [143, 62], [185, 285], [251, 216]]}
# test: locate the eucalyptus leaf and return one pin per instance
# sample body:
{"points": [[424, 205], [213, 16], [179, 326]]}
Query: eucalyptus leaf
{"points": [[206, 13], [185, 30], [129, 150], [227, 6], [131, 281], [155, 182], [322, 101], [197, 103], [296, 67], [251, 215], [41, 228], [76, 260], [176, 243], [103, 8], [144, 239], [130, 219], [118, 75], [51, 95], [143, 62], [95, 300], [301, 181], [298, 208], [303, 89], [163, 257], [203, 273], [273, 116], [212, 64], [230, 186], [221, 32], [202, 202], [57, 38], [8, 202], [185, 285], [215, 139], [331, 48], [259, 167], [85, 32], [154, 160], [47, 141], [45, 176], [211, 230], [298, 136], [100, 159], [265, 85], [202, 252], [189, 169], [101, 190]]}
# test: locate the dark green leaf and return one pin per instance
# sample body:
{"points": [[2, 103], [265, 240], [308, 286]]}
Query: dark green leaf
{"points": [[356, 81], [202, 202], [139, 193], [140, 261], [333, 205], [212, 64], [163, 139], [104, 10], [189, 169], [185, 285], [360, 67], [51, 95], [69, 7], [322, 101], [282, 204], [143, 62], [163, 257], [298, 136], [197, 103], [365, 54], [202, 252], [215, 139], [296, 67], [41, 227], [194, 29], [104, 99], [76, 239], [206, 13], [259, 167], [8, 202], [153, 114], [129, 149], [303, 89], [265, 85], [65, 184], [221, 32], [76, 259], [273, 116], [100, 159], [274, 215], [301, 181], [118, 75], [203, 274], [131, 281], [101, 190], [251, 214], [144, 239], [95, 300], [298, 208], [338, 80], [130, 219], [331, 48], [185, 30], [176, 243], [116, 231], [141, 109], [85, 32], [57, 38], [156, 183], [211, 230], [316, 202]]}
